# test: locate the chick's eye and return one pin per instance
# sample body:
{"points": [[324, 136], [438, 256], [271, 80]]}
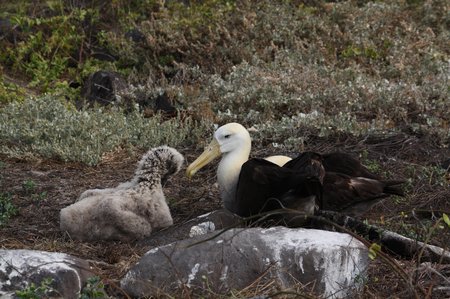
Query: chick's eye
{"points": [[227, 136]]}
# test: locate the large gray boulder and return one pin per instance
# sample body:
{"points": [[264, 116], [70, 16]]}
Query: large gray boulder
{"points": [[20, 268], [331, 262]]}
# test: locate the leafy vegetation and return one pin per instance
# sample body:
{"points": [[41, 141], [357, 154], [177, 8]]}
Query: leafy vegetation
{"points": [[47, 127], [29, 186], [321, 69], [10, 91], [7, 208], [94, 289], [44, 290]]}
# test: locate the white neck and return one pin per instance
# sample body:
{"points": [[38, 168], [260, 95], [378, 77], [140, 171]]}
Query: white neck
{"points": [[228, 175]]}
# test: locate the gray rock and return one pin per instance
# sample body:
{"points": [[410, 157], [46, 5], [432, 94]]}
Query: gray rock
{"points": [[9, 31], [330, 261], [135, 35], [102, 87], [20, 268]]}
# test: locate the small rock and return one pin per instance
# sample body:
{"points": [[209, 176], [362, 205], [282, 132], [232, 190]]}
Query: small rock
{"points": [[8, 31], [135, 35], [160, 103], [446, 165], [202, 229], [102, 87], [103, 54], [20, 268], [163, 104]]}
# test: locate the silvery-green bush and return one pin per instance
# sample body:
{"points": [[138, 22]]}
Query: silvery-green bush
{"points": [[287, 69], [378, 67], [286, 95], [50, 127]]}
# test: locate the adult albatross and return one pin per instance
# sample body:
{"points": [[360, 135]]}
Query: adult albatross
{"points": [[247, 187]]}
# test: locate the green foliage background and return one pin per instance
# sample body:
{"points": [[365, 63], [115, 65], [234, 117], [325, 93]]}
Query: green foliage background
{"points": [[291, 69]]}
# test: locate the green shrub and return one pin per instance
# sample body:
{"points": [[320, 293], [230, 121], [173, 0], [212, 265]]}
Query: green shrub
{"points": [[47, 45], [10, 92], [288, 95], [7, 208], [94, 288], [44, 290], [29, 186], [328, 68], [51, 128]]}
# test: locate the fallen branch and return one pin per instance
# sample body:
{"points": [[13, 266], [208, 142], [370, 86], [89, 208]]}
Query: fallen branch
{"points": [[394, 242]]}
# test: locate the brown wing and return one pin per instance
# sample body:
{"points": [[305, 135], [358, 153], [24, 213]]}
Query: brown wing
{"points": [[348, 186], [308, 163], [346, 164], [265, 186], [354, 195]]}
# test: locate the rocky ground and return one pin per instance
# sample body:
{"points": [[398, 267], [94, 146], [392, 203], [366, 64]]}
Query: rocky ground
{"points": [[40, 188]]}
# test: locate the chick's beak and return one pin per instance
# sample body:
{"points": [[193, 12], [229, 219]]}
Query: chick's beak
{"points": [[211, 152]]}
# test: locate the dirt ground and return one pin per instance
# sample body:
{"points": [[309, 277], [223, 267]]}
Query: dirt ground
{"points": [[40, 188]]}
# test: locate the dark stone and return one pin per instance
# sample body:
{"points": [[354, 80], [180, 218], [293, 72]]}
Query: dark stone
{"points": [[186, 3], [5, 26], [446, 165], [238, 257], [163, 104], [74, 84], [103, 55], [20, 268], [135, 35], [102, 87], [8, 31]]}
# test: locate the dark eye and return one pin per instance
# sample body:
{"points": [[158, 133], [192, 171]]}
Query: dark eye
{"points": [[227, 136]]}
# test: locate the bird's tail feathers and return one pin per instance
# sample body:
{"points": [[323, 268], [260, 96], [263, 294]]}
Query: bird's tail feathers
{"points": [[394, 187]]}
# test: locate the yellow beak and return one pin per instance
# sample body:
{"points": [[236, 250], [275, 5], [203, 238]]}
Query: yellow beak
{"points": [[211, 152]]}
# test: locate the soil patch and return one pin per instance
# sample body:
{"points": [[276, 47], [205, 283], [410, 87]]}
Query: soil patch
{"points": [[40, 189]]}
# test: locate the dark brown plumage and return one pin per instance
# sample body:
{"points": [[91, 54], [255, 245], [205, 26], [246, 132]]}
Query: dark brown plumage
{"points": [[355, 195], [346, 164], [311, 181], [348, 186], [264, 186]]}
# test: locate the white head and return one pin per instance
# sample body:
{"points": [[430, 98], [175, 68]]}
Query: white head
{"points": [[232, 142], [229, 140], [232, 137]]}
